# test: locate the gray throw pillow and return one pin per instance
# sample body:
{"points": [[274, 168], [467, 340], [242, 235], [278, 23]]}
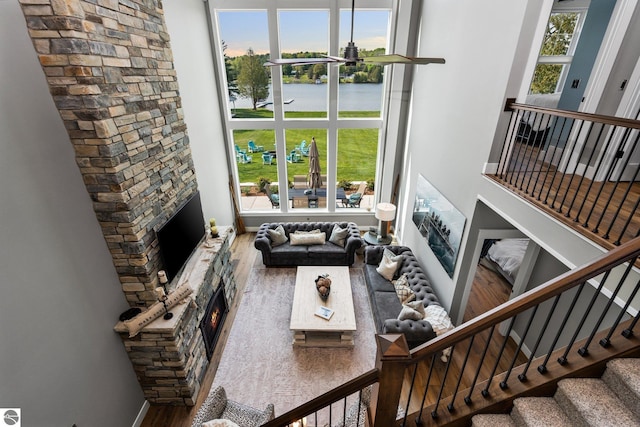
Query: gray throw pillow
{"points": [[412, 310], [339, 235], [278, 236]]}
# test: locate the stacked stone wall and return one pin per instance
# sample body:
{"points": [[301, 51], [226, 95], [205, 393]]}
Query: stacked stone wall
{"points": [[110, 71]]}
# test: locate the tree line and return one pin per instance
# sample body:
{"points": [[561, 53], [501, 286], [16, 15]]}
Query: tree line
{"points": [[247, 76]]}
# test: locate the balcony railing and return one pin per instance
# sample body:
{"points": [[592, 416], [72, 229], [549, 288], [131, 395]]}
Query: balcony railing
{"points": [[583, 168]]}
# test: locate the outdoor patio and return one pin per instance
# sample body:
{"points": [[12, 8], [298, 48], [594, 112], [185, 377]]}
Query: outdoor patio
{"points": [[261, 202]]}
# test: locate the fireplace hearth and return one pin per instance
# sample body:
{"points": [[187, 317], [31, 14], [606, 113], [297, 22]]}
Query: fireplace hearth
{"points": [[213, 319]]}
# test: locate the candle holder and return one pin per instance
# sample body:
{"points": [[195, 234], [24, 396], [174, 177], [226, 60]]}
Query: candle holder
{"points": [[167, 314]]}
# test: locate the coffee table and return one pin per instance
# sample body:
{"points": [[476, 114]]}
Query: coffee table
{"points": [[314, 331]]}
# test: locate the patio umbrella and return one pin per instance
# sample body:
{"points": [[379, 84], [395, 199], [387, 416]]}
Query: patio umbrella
{"points": [[314, 178]]}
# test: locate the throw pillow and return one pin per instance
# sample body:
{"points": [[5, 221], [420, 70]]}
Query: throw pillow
{"points": [[278, 236], [441, 323], [389, 264], [305, 239], [404, 293], [412, 311], [220, 423], [339, 235]]}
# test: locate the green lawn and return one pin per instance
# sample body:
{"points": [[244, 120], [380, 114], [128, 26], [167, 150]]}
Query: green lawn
{"points": [[357, 148]]}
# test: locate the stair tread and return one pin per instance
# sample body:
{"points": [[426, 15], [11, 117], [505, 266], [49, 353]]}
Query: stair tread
{"points": [[538, 412], [492, 420], [623, 377], [591, 400], [628, 370]]}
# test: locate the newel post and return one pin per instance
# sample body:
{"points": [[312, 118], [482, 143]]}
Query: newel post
{"points": [[391, 361]]}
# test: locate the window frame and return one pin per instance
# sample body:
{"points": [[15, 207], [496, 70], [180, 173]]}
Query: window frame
{"points": [[279, 124]]}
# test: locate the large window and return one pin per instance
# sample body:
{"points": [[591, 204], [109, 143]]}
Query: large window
{"points": [[273, 114], [556, 53]]}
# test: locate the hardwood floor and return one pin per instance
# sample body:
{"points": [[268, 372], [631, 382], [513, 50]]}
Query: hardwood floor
{"points": [[488, 291], [603, 211]]}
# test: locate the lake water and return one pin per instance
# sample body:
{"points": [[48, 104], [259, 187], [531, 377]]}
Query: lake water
{"points": [[312, 97]]}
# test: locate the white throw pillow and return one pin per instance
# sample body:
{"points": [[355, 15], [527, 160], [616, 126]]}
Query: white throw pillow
{"points": [[307, 238], [278, 236], [389, 264]]}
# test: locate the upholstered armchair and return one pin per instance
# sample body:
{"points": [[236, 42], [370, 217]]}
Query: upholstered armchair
{"points": [[217, 406]]}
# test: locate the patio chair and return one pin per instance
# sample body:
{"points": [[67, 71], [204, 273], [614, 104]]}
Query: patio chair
{"points": [[244, 158], [294, 157], [353, 201], [273, 198], [302, 147], [267, 158], [217, 406], [253, 148]]}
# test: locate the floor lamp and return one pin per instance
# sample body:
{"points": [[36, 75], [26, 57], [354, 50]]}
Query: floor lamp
{"points": [[385, 212]]}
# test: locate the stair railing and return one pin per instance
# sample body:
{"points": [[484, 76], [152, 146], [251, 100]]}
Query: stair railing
{"points": [[558, 313], [550, 319], [584, 167]]}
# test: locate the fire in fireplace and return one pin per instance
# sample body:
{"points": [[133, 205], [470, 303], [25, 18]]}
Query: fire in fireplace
{"points": [[213, 319]]}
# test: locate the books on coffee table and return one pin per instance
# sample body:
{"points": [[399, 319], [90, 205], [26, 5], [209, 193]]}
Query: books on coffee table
{"points": [[324, 312]]}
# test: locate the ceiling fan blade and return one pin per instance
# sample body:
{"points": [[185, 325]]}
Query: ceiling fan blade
{"points": [[401, 59], [301, 61]]}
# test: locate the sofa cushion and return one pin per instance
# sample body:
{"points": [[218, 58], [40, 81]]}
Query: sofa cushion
{"points": [[306, 239], [277, 236], [387, 307]]}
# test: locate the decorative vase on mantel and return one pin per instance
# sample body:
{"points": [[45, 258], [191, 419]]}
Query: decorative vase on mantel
{"points": [[323, 286]]}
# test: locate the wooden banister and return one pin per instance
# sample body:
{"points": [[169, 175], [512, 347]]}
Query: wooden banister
{"points": [[326, 399], [599, 118]]}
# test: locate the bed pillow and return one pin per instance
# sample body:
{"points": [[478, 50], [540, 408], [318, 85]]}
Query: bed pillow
{"points": [[307, 238], [389, 264], [278, 236], [339, 235]]}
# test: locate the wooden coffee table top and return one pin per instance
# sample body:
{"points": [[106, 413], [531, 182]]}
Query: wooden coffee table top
{"points": [[306, 300]]}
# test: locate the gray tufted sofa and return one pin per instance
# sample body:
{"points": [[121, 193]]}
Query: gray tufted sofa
{"points": [[327, 254], [384, 302]]}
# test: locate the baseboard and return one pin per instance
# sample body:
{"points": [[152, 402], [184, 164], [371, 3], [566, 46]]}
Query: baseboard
{"points": [[141, 414]]}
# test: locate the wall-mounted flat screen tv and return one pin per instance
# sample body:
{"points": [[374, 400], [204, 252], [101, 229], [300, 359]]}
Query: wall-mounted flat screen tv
{"points": [[180, 235]]}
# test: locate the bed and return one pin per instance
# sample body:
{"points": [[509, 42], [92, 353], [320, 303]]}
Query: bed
{"points": [[504, 256]]}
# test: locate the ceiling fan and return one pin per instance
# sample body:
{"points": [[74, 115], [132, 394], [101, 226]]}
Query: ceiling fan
{"points": [[351, 56]]}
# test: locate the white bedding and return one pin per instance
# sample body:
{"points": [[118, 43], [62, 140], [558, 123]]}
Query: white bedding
{"points": [[508, 254]]}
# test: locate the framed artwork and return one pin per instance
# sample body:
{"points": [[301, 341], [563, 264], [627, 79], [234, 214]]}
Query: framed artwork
{"points": [[439, 222]]}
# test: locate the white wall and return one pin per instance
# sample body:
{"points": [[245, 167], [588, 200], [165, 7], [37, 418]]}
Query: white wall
{"points": [[455, 108], [187, 25], [60, 360]]}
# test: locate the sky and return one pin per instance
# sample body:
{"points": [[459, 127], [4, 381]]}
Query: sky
{"points": [[300, 30]]}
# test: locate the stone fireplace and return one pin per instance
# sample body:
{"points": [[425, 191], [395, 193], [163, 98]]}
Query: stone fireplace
{"points": [[110, 71], [170, 357]]}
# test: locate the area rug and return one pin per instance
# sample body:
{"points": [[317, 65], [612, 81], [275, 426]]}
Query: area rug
{"points": [[259, 364]]}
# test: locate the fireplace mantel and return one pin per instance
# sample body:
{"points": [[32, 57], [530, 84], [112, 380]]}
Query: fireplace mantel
{"points": [[169, 356]]}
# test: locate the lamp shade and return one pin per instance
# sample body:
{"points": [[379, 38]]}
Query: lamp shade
{"points": [[385, 211]]}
